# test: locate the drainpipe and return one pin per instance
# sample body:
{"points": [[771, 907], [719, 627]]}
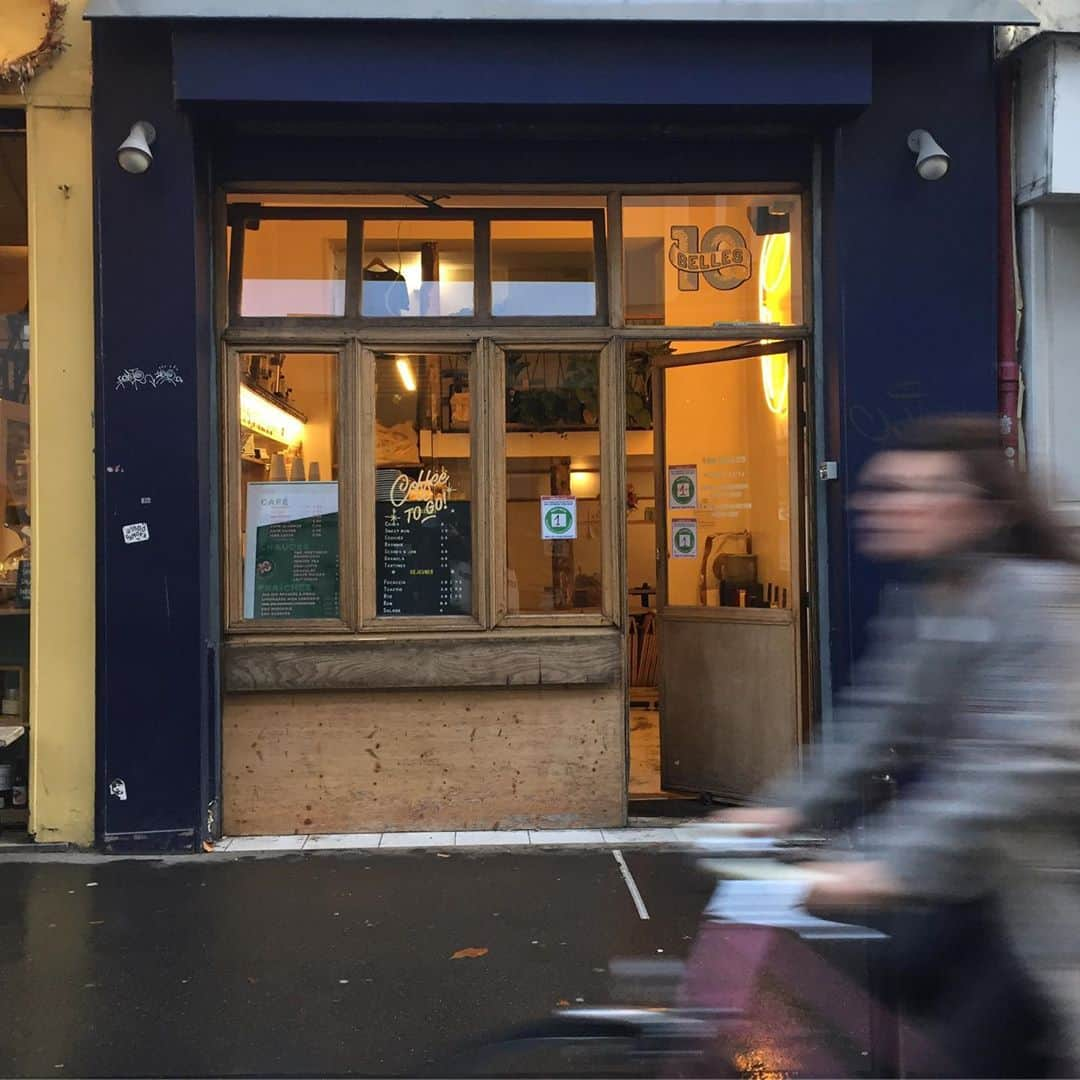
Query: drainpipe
{"points": [[1008, 313]]}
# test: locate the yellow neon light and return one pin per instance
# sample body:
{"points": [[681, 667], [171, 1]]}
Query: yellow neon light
{"points": [[265, 418], [405, 372], [774, 289]]}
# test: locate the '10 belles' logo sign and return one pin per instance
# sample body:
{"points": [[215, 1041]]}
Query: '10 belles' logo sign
{"points": [[721, 257]]}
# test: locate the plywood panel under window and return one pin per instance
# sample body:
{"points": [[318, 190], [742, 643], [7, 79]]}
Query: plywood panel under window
{"points": [[395, 760]]}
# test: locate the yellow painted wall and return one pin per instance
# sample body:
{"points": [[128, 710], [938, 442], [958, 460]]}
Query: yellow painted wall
{"points": [[57, 104]]}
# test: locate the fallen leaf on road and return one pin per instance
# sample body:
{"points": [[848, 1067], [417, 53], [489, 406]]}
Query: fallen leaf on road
{"points": [[562, 1001], [469, 954]]}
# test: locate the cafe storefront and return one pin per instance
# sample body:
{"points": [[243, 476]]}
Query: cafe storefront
{"points": [[475, 414]]}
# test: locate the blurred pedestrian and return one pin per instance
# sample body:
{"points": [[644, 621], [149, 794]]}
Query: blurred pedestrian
{"points": [[957, 757]]}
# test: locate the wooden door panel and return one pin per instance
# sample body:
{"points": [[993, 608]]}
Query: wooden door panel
{"points": [[728, 699]]}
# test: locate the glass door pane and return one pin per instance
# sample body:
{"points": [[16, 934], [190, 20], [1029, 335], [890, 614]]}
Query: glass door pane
{"points": [[727, 477]]}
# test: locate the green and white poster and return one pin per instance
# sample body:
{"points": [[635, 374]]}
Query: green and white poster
{"points": [[682, 487], [558, 518], [291, 553], [684, 538]]}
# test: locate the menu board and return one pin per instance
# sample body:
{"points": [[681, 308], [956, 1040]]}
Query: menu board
{"points": [[291, 557], [423, 545]]}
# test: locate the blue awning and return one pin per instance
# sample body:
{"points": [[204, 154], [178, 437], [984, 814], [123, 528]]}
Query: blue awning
{"points": [[997, 12], [496, 64]]}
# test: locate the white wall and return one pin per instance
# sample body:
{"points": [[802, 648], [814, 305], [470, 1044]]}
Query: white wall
{"points": [[1050, 258], [1053, 15], [1047, 117]]}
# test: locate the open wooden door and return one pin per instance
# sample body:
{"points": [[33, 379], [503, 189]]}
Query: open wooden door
{"points": [[731, 553]]}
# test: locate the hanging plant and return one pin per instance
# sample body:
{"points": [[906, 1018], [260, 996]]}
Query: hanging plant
{"points": [[640, 357], [19, 70]]}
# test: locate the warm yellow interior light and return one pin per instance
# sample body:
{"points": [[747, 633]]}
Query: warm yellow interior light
{"points": [[405, 371], [265, 418], [584, 483], [774, 290], [774, 381]]}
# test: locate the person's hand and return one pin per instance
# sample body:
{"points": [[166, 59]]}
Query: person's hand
{"points": [[851, 885], [759, 820]]}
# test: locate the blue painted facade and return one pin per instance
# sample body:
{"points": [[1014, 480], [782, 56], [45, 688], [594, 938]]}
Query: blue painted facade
{"points": [[908, 269]]}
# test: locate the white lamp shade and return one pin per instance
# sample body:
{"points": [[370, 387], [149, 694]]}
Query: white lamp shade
{"points": [[133, 154], [931, 161]]}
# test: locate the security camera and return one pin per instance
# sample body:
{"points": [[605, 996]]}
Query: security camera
{"points": [[133, 154], [931, 162]]}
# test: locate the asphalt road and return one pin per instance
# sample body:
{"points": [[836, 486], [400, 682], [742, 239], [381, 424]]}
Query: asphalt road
{"points": [[321, 964]]}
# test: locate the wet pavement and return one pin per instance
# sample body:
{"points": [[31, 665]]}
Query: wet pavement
{"points": [[320, 964]]}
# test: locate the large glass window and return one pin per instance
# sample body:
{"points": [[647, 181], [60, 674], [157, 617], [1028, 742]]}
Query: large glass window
{"points": [[403, 477], [553, 482], [543, 268], [291, 268], [15, 572], [708, 260], [417, 268], [423, 484], [288, 485], [14, 375]]}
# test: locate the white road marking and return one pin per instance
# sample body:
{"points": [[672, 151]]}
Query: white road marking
{"points": [[631, 884]]}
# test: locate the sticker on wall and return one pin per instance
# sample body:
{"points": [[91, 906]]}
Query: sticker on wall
{"points": [[137, 533], [558, 518], [682, 487], [684, 538]]}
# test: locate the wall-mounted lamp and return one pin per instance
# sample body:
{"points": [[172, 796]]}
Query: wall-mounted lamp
{"points": [[133, 154], [931, 162]]}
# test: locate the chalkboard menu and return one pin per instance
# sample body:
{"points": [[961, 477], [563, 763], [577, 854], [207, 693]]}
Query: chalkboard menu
{"points": [[423, 556]]}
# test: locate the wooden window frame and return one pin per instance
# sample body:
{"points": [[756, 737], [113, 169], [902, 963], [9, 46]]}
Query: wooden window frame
{"points": [[233, 510], [486, 337], [611, 386], [371, 621], [353, 317], [772, 331]]}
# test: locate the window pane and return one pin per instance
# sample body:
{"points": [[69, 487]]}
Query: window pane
{"points": [[417, 268], [728, 481], [14, 376], [553, 521], [706, 260], [293, 268], [543, 268], [423, 485], [289, 485]]}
